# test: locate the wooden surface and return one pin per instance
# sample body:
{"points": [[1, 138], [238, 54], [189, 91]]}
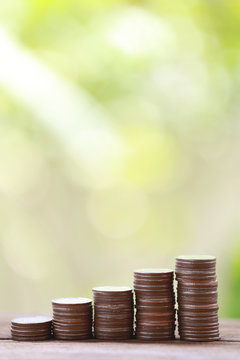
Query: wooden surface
{"points": [[227, 348]]}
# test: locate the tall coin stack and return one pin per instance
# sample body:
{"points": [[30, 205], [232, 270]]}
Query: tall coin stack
{"points": [[113, 312], [197, 298], [155, 304], [72, 318], [31, 328]]}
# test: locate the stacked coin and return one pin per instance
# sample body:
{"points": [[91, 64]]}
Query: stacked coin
{"points": [[113, 312], [197, 298], [32, 328], [155, 304], [72, 318]]}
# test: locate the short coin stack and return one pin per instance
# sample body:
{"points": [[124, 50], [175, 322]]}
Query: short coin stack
{"points": [[72, 318], [32, 328], [197, 298], [155, 304], [113, 312]]}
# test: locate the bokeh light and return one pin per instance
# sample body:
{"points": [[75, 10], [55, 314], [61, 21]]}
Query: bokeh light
{"points": [[119, 144]]}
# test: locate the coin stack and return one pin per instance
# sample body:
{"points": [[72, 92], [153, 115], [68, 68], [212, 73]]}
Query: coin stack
{"points": [[197, 298], [32, 328], [72, 318], [113, 312], [155, 304]]}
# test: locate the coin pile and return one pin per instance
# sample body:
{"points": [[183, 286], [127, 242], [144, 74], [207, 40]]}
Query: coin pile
{"points": [[72, 318], [32, 328], [113, 312], [155, 304], [197, 298]]}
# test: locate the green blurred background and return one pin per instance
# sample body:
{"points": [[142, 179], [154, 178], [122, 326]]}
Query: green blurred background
{"points": [[119, 144]]}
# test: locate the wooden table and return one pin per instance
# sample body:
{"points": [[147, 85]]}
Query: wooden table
{"points": [[227, 348]]}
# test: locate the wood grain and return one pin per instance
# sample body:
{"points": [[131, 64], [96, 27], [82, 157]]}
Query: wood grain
{"points": [[227, 348]]}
